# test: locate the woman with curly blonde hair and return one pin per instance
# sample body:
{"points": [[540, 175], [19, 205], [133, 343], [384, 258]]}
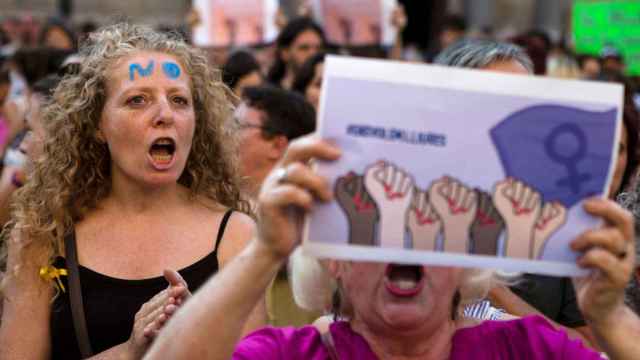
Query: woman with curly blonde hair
{"points": [[137, 176]]}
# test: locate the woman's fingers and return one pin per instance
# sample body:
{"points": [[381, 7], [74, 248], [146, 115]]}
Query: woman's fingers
{"points": [[152, 304], [617, 271], [309, 147], [613, 214], [170, 309], [302, 176], [608, 238], [179, 292], [288, 194], [174, 278]]}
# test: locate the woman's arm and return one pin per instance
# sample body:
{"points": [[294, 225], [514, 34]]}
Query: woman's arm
{"points": [[240, 230], [24, 330], [609, 253], [210, 324]]}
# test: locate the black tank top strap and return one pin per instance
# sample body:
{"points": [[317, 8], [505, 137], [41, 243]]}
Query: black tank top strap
{"points": [[221, 228], [75, 295]]}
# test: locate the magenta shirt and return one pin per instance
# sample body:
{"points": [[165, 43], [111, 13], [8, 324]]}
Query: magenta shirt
{"points": [[530, 338]]}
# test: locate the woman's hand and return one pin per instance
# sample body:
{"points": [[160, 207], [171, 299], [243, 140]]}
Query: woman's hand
{"points": [[155, 313], [289, 191], [609, 251]]}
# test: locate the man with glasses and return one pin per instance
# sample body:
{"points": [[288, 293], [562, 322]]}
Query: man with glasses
{"points": [[267, 120]]}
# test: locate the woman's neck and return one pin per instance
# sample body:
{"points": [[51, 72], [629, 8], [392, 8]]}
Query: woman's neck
{"points": [[431, 341], [134, 199]]}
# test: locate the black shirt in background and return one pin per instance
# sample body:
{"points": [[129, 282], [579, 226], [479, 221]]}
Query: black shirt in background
{"points": [[552, 296]]}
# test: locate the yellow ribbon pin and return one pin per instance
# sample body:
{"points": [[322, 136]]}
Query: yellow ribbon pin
{"points": [[51, 272]]}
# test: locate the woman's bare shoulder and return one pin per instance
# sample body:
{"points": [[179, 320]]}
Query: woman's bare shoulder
{"points": [[239, 231]]}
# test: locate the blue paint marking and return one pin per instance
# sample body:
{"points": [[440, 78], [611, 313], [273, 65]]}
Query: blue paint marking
{"points": [[172, 70], [142, 71]]}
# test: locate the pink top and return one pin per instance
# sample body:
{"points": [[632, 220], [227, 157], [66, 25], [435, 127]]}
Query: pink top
{"points": [[531, 338]]}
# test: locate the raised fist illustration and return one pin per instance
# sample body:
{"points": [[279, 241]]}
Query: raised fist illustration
{"points": [[392, 189], [456, 205], [552, 217], [423, 222], [520, 207], [486, 227], [361, 210]]}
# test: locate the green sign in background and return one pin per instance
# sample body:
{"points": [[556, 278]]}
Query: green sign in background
{"points": [[597, 24]]}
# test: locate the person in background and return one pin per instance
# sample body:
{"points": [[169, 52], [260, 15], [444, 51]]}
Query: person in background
{"points": [[538, 46], [300, 39], [241, 70], [137, 177], [454, 29], [57, 35], [552, 297], [14, 175], [589, 65], [267, 119], [26, 66], [626, 170], [563, 65], [612, 60], [308, 80]]}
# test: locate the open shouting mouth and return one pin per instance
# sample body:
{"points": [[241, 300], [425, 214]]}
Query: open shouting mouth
{"points": [[162, 153], [404, 280]]}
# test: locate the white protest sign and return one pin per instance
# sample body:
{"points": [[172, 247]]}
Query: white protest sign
{"points": [[460, 167]]}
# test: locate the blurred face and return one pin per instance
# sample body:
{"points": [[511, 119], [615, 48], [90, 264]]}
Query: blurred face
{"points": [[312, 93], [32, 143], [148, 120], [252, 79], [398, 298], [306, 44], [621, 164], [613, 64], [507, 66], [590, 68], [58, 39], [257, 153]]}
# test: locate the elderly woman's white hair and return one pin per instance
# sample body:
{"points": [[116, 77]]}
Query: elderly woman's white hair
{"points": [[314, 288], [480, 53]]}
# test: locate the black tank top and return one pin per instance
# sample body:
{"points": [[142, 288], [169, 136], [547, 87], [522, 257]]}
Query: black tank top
{"points": [[110, 304]]}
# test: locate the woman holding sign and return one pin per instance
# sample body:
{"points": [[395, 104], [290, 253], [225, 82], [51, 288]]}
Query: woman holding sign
{"points": [[391, 311], [136, 177]]}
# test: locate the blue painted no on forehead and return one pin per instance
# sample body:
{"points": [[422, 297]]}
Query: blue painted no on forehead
{"points": [[170, 69], [144, 72]]}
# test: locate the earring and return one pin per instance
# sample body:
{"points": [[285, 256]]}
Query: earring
{"points": [[335, 304], [455, 303]]}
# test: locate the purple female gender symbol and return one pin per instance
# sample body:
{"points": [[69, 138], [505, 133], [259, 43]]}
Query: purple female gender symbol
{"points": [[574, 178]]}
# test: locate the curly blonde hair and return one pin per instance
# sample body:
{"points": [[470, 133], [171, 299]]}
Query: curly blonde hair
{"points": [[73, 174]]}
